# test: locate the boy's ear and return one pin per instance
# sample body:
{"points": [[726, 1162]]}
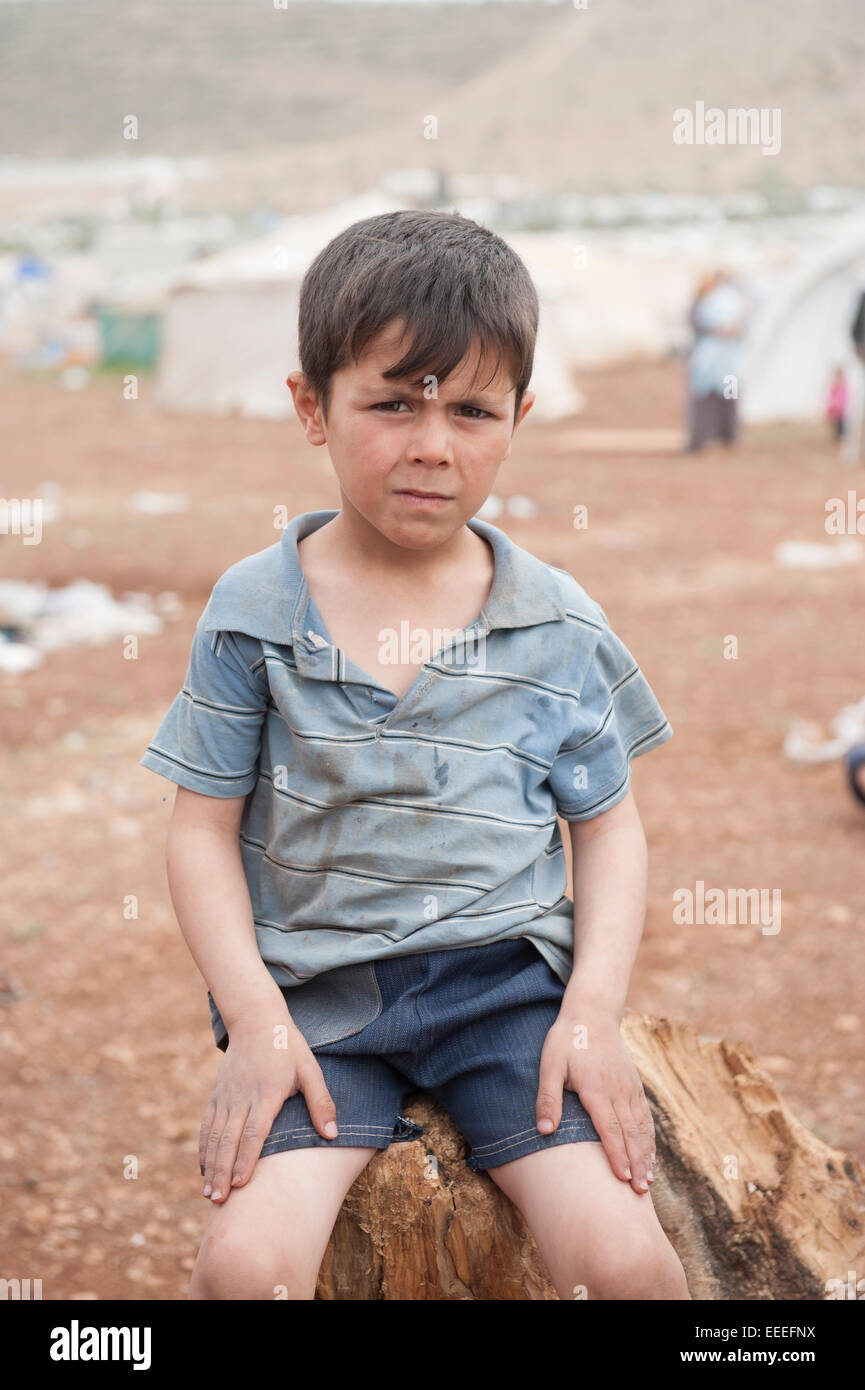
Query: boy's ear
{"points": [[525, 406], [307, 407]]}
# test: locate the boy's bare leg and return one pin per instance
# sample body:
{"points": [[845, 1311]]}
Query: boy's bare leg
{"points": [[598, 1238], [267, 1239]]}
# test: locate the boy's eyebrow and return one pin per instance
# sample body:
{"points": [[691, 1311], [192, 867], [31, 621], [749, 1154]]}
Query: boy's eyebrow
{"points": [[394, 388]]}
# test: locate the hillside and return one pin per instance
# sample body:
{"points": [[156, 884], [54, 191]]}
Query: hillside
{"points": [[298, 106]]}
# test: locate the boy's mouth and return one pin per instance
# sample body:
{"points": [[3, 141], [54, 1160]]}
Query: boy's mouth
{"points": [[428, 499], [416, 492]]}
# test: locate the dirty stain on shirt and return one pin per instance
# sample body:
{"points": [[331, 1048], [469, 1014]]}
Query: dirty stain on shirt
{"points": [[377, 826]]}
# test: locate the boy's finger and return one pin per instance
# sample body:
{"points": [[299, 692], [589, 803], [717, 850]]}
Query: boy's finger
{"points": [[255, 1131], [226, 1152], [633, 1133], [642, 1116], [548, 1105], [204, 1134], [319, 1101], [612, 1138], [216, 1128]]}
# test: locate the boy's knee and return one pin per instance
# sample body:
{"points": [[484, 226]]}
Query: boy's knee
{"points": [[229, 1269], [649, 1270]]}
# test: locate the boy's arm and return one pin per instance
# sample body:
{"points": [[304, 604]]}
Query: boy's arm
{"points": [[209, 742], [211, 900], [610, 866], [583, 1051]]}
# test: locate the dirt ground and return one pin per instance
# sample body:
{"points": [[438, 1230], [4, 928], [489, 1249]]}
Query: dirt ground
{"points": [[107, 1055]]}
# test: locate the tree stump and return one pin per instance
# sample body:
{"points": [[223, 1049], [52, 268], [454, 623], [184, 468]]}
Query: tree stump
{"points": [[755, 1205]]}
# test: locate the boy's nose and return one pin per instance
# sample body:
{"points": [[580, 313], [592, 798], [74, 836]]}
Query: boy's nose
{"points": [[430, 442]]}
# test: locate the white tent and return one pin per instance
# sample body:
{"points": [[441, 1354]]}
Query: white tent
{"points": [[229, 331], [801, 332]]}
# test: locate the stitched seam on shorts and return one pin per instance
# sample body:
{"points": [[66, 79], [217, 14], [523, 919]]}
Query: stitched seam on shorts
{"points": [[343, 1129], [488, 1150], [495, 1143]]}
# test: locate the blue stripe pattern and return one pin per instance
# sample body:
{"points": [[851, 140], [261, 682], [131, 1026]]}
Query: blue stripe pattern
{"points": [[376, 827]]}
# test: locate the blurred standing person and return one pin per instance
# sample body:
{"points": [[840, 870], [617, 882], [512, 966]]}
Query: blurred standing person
{"points": [[853, 446], [718, 317]]}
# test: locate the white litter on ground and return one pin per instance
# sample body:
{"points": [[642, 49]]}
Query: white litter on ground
{"points": [[521, 506], [158, 503], [804, 743], [490, 508], [814, 555], [518, 505], [37, 619], [49, 497]]}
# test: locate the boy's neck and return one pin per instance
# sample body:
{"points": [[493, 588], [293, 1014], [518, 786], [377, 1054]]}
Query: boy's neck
{"points": [[353, 544]]}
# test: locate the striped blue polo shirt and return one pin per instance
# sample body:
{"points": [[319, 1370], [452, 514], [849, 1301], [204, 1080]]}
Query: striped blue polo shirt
{"points": [[376, 827]]}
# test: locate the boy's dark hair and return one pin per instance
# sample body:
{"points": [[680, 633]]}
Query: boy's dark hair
{"points": [[450, 279]]}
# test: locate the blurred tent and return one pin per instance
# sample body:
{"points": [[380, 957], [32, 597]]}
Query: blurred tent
{"points": [[229, 331], [801, 332], [228, 348]]}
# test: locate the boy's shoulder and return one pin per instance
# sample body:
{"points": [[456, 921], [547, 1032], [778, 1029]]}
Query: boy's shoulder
{"points": [[529, 590], [253, 596], [580, 607]]}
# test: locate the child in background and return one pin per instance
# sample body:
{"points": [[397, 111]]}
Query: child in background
{"points": [[836, 403]]}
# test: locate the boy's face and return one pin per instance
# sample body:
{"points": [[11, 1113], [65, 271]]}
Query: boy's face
{"points": [[386, 438]]}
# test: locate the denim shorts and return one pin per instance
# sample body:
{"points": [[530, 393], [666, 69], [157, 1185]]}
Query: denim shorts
{"points": [[463, 1025]]}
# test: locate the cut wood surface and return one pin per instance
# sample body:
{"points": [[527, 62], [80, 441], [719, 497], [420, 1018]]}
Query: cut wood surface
{"points": [[756, 1206]]}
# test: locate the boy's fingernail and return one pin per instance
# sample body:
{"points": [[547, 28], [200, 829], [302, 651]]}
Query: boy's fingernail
{"points": [[216, 1196], [545, 1126], [650, 1175], [330, 1129], [235, 1180], [627, 1173], [641, 1182], [207, 1189]]}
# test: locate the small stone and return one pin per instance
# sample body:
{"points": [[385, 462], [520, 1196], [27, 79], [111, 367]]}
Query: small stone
{"points": [[838, 914], [847, 1023], [775, 1063]]}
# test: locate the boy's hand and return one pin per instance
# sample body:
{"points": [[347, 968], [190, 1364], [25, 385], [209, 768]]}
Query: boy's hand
{"points": [[586, 1054], [254, 1079]]}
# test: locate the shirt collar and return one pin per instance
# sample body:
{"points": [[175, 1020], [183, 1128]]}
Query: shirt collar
{"points": [[266, 594]]}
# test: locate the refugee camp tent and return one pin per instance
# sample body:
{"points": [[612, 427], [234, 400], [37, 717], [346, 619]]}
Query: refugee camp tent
{"points": [[800, 333], [229, 331]]}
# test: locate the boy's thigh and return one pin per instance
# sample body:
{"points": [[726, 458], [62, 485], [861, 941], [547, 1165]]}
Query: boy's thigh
{"points": [[272, 1232], [586, 1222], [268, 1238]]}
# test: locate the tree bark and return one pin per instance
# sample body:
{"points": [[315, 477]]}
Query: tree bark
{"points": [[755, 1205]]}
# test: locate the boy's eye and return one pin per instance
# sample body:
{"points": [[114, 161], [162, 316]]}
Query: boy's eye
{"points": [[477, 413]]}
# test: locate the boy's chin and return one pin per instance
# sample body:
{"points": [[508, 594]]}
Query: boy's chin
{"points": [[417, 526]]}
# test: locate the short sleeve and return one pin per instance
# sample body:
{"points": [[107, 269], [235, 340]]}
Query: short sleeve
{"points": [[617, 718], [210, 737]]}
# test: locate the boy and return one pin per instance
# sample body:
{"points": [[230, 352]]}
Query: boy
{"points": [[364, 856]]}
